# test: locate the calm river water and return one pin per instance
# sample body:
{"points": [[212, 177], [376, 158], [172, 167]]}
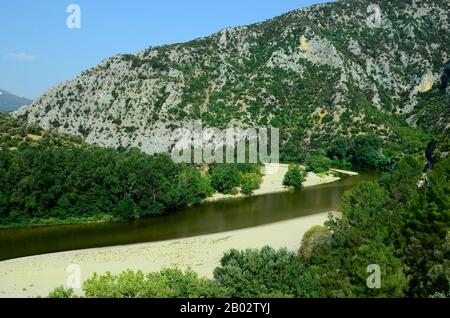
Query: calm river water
{"points": [[204, 219]]}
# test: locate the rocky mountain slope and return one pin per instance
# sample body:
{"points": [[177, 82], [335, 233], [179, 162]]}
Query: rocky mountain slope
{"points": [[317, 72], [10, 102]]}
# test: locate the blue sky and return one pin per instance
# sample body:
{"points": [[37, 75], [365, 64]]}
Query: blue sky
{"points": [[38, 51]]}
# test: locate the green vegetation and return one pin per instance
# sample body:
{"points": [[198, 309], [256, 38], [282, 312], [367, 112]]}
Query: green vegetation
{"points": [[311, 239], [318, 163], [169, 283], [49, 185], [253, 273], [14, 134], [366, 151], [49, 178], [250, 182], [382, 224], [226, 178], [394, 224], [61, 292], [294, 177]]}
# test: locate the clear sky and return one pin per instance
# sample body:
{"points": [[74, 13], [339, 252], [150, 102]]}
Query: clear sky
{"points": [[38, 51]]}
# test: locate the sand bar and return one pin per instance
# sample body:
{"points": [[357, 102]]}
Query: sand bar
{"points": [[273, 176], [37, 275]]}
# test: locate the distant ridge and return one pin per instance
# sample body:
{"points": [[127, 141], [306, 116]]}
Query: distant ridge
{"points": [[10, 102]]}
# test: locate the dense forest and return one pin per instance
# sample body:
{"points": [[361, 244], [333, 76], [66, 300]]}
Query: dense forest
{"points": [[393, 223], [49, 178]]}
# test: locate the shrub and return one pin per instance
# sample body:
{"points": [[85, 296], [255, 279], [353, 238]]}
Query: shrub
{"points": [[366, 151], [318, 163], [250, 182], [225, 177], [294, 177], [258, 273], [169, 283], [61, 292], [311, 239]]}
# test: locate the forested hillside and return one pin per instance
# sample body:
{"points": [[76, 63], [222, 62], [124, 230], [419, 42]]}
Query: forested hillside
{"points": [[49, 178]]}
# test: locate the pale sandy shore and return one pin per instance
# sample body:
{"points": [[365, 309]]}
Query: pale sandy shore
{"points": [[38, 275], [273, 176], [346, 172]]}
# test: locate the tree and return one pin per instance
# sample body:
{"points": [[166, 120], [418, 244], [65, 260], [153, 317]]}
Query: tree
{"points": [[294, 177], [339, 148], [365, 234], [225, 177], [254, 273], [126, 209], [362, 203], [168, 283], [425, 228], [402, 181], [250, 182], [366, 151], [318, 163], [311, 239], [55, 183], [192, 188]]}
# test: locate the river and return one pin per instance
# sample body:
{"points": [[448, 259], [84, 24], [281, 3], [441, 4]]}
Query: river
{"points": [[203, 219]]}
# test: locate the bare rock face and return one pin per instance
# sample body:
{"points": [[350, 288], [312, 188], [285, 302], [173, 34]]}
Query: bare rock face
{"points": [[319, 71]]}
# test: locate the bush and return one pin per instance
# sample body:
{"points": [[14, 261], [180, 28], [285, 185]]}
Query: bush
{"points": [[311, 240], [254, 273], [225, 177], [294, 177], [250, 182], [366, 151], [169, 283], [61, 292], [318, 163]]}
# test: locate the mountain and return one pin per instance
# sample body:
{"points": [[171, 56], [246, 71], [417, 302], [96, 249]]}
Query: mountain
{"points": [[10, 102], [327, 70]]}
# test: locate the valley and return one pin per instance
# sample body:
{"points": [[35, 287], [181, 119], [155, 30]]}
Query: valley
{"points": [[90, 178]]}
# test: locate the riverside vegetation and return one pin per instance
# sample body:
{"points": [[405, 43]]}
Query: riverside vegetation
{"points": [[392, 223], [342, 94], [333, 86], [49, 178]]}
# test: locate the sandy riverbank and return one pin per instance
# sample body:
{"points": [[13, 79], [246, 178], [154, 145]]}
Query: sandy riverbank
{"points": [[273, 177], [37, 275]]}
